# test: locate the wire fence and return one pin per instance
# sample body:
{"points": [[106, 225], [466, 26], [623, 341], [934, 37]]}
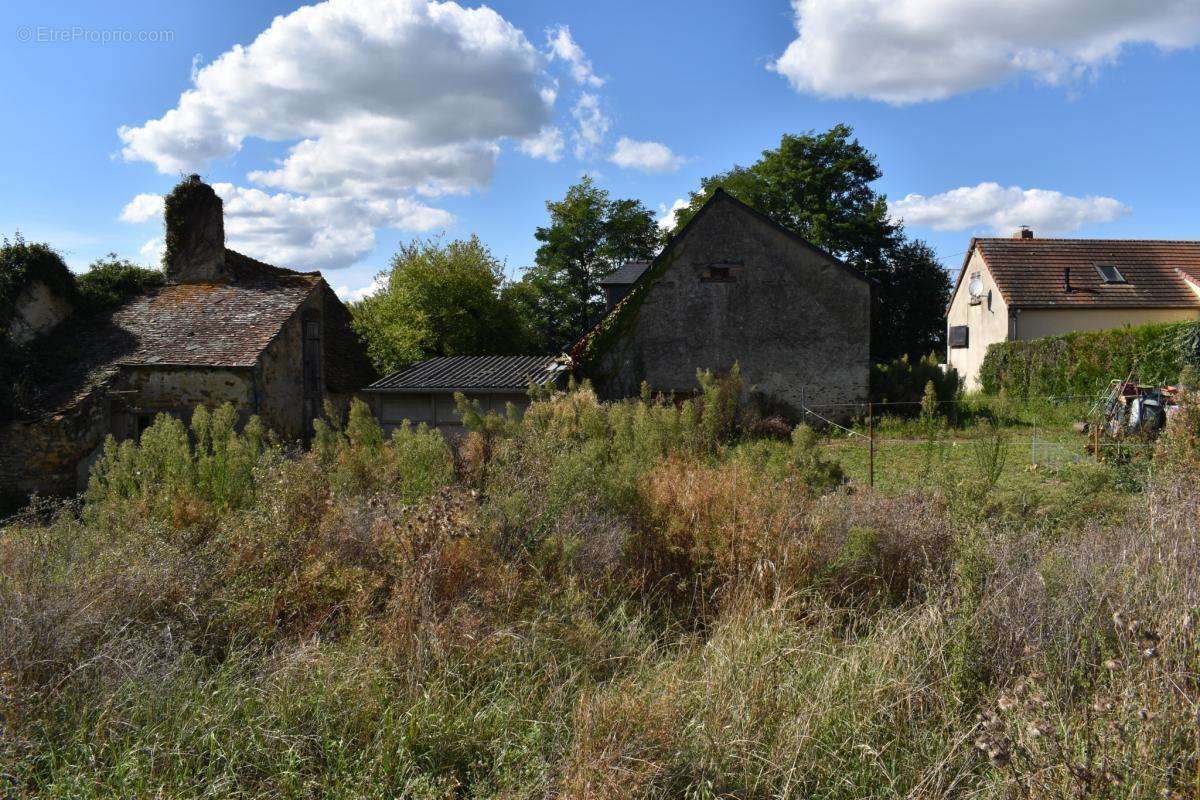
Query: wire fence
{"points": [[1027, 438]]}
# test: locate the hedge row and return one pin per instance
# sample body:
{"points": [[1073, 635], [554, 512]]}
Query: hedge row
{"points": [[1084, 363]]}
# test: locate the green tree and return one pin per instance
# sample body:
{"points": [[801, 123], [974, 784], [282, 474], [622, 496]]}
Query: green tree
{"points": [[588, 237], [439, 300], [820, 186], [913, 292], [110, 281]]}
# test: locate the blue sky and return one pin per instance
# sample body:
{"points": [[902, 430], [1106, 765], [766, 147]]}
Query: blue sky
{"points": [[1078, 117]]}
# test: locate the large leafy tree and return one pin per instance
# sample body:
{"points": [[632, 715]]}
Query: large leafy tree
{"points": [[439, 299], [913, 292], [820, 186], [589, 236]]}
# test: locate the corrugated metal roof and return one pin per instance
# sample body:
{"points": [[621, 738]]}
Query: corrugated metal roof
{"points": [[626, 274], [1032, 272], [471, 373]]}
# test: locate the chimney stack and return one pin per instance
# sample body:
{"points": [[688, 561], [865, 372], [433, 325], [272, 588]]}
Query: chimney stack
{"points": [[195, 234], [1025, 233]]}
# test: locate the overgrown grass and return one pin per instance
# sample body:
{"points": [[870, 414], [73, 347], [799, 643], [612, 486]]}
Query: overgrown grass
{"points": [[597, 600]]}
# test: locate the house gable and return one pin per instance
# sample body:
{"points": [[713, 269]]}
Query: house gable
{"points": [[735, 287]]}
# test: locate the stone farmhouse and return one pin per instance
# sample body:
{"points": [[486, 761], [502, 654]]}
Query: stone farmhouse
{"points": [[224, 329], [1025, 288], [731, 287]]}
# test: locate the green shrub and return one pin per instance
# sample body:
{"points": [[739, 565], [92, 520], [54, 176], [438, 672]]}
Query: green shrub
{"points": [[410, 464], [110, 281], [1083, 364], [906, 382]]}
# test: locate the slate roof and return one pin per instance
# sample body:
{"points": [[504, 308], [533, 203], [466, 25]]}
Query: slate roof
{"points": [[1030, 272], [471, 374], [190, 324], [625, 274]]}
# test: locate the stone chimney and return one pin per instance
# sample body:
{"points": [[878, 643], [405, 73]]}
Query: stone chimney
{"points": [[1025, 233], [195, 234]]}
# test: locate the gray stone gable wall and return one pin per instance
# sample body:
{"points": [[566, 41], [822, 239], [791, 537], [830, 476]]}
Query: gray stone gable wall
{"points": [[796, 321]]}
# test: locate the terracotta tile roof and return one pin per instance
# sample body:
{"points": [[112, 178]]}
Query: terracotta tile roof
{"points": [[191, 324], [1031, 272], [471, 373]]}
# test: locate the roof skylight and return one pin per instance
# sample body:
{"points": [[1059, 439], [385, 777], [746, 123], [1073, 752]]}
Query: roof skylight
{"points": [[1110, 274]]}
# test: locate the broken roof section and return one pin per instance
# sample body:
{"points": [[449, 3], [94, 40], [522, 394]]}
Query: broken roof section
{"points": [[1033, 272], [473, 374]]}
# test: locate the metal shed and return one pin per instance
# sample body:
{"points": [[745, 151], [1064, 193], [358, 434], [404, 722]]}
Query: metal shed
{"points": [[424, 392]]}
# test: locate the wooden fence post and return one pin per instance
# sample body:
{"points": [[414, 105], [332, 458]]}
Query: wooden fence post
{"points": [[871, 444]]}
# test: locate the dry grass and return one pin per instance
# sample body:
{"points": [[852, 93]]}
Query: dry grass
{"points": [[601, 601]]}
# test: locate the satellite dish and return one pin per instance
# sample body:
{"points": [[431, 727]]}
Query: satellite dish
{"points": [[975, 287]]}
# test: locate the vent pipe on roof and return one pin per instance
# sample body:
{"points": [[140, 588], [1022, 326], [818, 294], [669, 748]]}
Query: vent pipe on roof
{"points": [[195, 234], [1025, 233], [1067, 279]]}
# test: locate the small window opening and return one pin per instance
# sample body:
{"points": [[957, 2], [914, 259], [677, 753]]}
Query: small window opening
{"points": [[1110, 274], [717, 274]]}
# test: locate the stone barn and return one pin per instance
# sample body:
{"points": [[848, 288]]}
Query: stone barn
{"points": [[735, 287], [224, 329]]}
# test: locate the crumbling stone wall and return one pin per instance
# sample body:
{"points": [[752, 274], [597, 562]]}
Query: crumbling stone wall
{"points": [[735, 288], [144, 391], [281, 375], [345, 369], [38, 309], [44, 455]]}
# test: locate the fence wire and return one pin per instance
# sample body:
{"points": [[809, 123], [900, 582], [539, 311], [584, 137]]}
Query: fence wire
{"points": [[1040, 445]]}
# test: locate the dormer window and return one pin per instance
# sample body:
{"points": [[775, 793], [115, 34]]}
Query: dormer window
{"points": [[1110, 274]]}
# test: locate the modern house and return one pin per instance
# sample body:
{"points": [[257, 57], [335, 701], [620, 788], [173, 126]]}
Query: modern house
{"points": [[1025, 288], [734, 287], [424, 392], [224, 329]]}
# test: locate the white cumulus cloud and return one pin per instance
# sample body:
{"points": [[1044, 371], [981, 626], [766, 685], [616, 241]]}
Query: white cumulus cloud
{"points": [[666, 222], [907, 51], [298, 231], [378, 93], [351, 295], [592, 125], [142, 208], [548, 144], [152, 251], [1005, 209], [645, 156], [315, 232], [563, 46]]}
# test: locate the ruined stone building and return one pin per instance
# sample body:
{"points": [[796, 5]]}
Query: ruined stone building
{"points": [[735, 287], [224, 329]]}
